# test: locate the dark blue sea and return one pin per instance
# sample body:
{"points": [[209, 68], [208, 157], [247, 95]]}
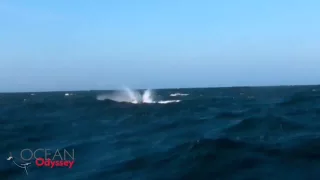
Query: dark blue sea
{"points": [[239, 133]]}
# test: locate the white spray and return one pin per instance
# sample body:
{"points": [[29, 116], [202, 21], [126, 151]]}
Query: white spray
{"points": [[132, 96], [129, 95]]}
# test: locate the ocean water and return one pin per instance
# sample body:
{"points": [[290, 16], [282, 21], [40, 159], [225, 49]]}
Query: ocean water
{"points": [[241, 133]]}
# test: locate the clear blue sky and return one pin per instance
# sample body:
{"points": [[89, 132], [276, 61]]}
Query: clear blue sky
{"points": [[103, 44]]}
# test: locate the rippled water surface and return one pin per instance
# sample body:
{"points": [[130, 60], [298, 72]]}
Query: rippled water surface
{"points": [[222, 133]]}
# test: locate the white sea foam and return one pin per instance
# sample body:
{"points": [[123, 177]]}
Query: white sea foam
{"points": [[69, 94], [168, 101], [178, 94], [132, 96]]}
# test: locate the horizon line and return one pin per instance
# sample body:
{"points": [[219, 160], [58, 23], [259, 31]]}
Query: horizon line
{"points": [[202, 87]]}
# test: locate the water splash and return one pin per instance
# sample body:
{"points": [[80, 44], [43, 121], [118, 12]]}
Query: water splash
{"points": [[132, 96], [128, 95], [147, 97]]}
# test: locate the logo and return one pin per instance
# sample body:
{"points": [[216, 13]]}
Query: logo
{"points": [[43, 158]]}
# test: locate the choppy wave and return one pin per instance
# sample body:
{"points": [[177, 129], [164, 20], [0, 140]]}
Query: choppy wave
{"points": [[217, 133]]}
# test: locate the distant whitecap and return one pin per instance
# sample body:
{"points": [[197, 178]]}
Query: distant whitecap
{"points": [[178, 94]]}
